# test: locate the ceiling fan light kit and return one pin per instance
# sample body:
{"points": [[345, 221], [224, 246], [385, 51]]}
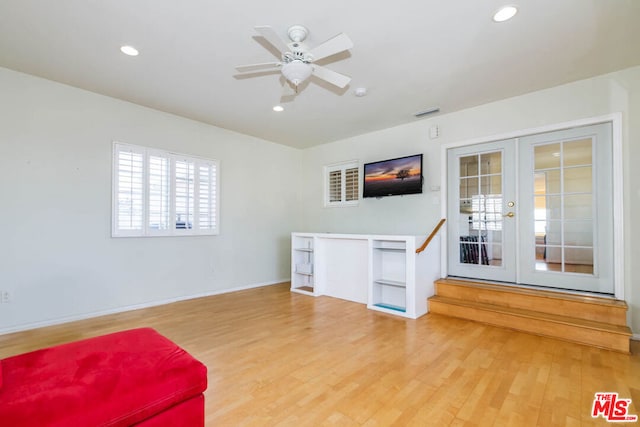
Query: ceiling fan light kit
{"points": [[296, 61], [296, 71]]}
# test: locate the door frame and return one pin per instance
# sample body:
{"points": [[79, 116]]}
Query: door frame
{"points": [[618, 208]]}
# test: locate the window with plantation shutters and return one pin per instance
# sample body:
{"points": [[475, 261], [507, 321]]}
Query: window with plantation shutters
{"points": [[157, 193], [342, 184]]}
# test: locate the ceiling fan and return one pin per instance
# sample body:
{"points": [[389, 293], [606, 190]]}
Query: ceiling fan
{"points": [[297, 62]]}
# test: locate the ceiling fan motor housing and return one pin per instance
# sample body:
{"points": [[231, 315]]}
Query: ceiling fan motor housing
{"points": [[297, 55], [297, 33]]}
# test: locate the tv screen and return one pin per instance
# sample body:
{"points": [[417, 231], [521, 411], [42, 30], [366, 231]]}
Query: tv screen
{"points": [[393, 177]]}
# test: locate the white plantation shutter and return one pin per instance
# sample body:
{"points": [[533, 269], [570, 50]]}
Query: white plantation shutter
{"points": [[341, 184], [351, 184], [129, 190], [335, 186], [207, 196], [158, 193], [185, 198]]}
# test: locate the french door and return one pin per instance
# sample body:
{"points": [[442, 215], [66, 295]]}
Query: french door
{"points": [[481, 211], [535, 210]]}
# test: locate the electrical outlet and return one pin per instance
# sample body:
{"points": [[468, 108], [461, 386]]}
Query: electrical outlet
{"points": [[5, 297]]}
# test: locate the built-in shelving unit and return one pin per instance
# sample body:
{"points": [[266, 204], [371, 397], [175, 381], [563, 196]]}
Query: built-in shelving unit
{"points": [[382, 271], [388, 275], [302, 264]]}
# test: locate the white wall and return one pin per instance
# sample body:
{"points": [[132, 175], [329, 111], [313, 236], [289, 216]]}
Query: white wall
{"points": [[57, 258], [411, 214], [416, 214], [626, 88]]}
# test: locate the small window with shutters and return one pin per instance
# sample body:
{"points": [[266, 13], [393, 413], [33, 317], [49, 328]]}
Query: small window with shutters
{"points": [[158, 193], [342, 184]]}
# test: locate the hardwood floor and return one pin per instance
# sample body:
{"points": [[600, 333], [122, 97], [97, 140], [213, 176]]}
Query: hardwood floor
{"points": [[281, 358]]}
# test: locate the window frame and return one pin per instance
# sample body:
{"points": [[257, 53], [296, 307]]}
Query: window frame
{"points": [[212, 200], [343, 167]]}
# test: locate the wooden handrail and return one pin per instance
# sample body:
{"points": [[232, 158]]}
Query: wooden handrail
{"points": [[431, 236]]}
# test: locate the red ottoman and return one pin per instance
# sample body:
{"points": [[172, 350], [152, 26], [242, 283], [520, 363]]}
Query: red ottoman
{"points": [[135, 377]]}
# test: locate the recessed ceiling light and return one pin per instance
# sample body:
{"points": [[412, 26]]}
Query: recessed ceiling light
{"points": [[278, 108], [505, 13], [129, 50]]}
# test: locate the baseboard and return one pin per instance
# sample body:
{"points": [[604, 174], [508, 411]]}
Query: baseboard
{"points": [[635, 337], [84, 316]]}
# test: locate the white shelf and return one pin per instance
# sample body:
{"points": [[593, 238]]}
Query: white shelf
{"points": [[304, 274], [387, 307], [388, 282], [392, 245]]}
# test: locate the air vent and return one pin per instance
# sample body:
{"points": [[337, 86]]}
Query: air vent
{"points": [[427, 112]]}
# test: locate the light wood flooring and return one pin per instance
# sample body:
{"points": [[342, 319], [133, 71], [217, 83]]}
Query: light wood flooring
{"points": [[281, 358]]}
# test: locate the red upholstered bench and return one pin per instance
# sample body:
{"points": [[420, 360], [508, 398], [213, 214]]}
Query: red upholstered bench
{"points": [[136, 377]]}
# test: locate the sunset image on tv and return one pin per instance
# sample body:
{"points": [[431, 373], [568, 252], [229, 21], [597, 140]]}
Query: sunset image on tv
{"points": [[393, 177]]}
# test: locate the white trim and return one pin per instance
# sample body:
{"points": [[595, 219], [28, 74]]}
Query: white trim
{"points": [[618, 206], [66, 319], [444, 239], [618, 203], [635, 337], [518, 201]]}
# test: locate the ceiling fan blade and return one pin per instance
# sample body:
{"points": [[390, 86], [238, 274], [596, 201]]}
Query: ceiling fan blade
{"points": [[330, 76], [266, 66], [337, 44], [272, 37]]}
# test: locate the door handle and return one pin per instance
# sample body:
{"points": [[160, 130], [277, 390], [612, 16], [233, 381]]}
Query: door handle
{"points": [[509, 214]]}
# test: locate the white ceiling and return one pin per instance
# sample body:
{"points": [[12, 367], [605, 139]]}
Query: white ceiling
{"points": [[411, 55]]}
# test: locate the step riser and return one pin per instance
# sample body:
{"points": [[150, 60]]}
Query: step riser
{"points": [[577, 334], [544, 304]]}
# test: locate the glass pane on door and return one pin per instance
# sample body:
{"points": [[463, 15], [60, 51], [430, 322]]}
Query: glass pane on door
{"points": [[563, 203], [480, 224]]}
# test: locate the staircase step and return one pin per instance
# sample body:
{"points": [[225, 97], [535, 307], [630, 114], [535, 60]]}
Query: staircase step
{"points": [[586, 307], [582, 331]]}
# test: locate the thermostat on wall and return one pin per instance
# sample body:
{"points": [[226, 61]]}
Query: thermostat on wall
{"points": [[434, 132]]}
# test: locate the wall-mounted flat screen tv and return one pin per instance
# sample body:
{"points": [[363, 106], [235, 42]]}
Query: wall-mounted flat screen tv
{"points": [[393, 177]]}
